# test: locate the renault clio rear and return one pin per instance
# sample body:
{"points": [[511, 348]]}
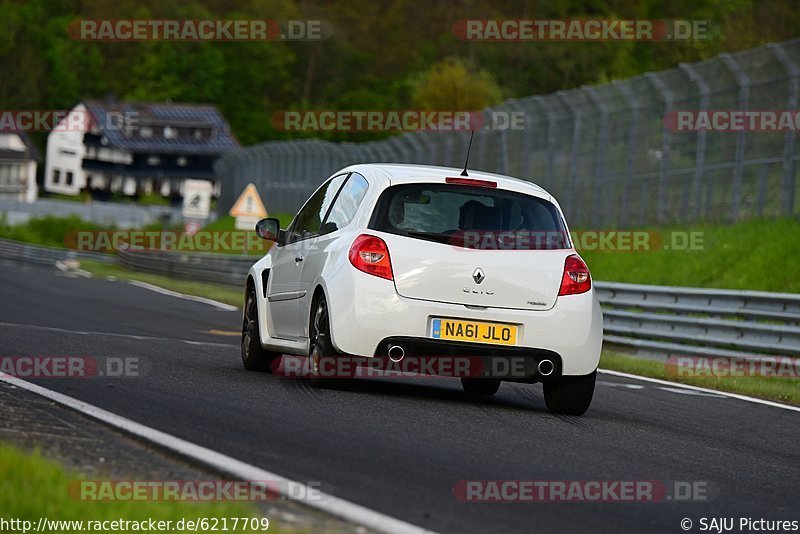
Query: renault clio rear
{"points": [[404, 261]]}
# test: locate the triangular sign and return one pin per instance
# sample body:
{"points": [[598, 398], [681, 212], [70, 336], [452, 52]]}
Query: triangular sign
{"points": [[249, 204]]}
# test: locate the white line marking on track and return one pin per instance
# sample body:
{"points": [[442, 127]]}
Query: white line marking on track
{"points": [[619, 385], [705, 390], [113, 334], [680, 391], [230, 466], [210, 302]]}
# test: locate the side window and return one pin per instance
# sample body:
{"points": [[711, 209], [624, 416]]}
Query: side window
{"points": [[346, 204], [307, 222]]}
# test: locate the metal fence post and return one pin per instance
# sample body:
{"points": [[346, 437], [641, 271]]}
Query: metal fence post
{"points": [[526, 144], [573, 157], [787, 185], [700, 151], [550, 149], [503, 154], [743, 81], [416, 146], [600, 159], [633, 105], [661, 202]]}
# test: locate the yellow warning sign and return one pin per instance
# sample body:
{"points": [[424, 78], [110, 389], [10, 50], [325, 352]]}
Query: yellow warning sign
{"points": [[249, 204]]}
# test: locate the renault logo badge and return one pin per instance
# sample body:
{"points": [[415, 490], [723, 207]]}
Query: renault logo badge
{"points": [[478, 275]]}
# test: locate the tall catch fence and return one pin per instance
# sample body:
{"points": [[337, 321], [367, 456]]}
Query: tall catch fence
{"points": [[604, 151]]}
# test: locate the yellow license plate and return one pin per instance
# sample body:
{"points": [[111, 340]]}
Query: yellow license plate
{"points": [[474, 331]]}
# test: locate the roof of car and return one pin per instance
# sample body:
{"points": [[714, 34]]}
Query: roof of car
{"points": [[400, 173]]}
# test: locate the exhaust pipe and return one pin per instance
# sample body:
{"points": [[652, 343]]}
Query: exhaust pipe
{"points": [[546, 367], [396, 353]]}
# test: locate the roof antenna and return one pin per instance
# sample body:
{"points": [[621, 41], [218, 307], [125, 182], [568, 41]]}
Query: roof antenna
{"points": [[466, 161]]}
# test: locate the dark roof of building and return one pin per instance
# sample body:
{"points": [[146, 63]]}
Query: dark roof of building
{"points": [[32, 151], [216, 138]]}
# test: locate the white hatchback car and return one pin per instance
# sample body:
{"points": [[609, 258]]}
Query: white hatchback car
{"points": [[407, 261]]}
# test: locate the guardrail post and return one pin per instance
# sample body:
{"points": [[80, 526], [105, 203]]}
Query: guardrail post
{"points": [[700, 152], [787, 185], [634, 106], [661, 202], [601, 145], [743, 98], [572, 199]]}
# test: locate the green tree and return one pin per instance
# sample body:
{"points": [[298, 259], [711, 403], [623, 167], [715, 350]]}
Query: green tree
{"points": [[450, 84]]}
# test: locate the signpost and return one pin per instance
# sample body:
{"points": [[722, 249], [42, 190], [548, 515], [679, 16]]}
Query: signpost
{"points": [[196, 199], [248, 209]]}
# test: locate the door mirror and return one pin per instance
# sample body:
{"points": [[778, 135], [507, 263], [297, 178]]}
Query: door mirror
{"points": [[270, 229]]}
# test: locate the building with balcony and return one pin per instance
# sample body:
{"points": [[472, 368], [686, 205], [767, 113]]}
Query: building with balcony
{"points": [[109, 148]]}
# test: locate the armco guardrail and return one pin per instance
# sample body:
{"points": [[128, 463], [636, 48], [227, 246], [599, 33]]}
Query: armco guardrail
{"points": [[42, 255], [657, 320], [217, 268], [700, 322], [652, 320]]}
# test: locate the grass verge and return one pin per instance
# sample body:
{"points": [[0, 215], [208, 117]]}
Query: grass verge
{"points": [[221, 293], [32, 487], [785, 390], [737, 256]]}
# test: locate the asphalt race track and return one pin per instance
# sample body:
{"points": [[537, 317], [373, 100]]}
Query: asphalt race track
{"points": [[399, 446]]}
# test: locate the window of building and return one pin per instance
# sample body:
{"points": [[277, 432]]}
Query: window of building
{"points": [[56, 176], [182, 161], [69, 178], [170, 132], [153, 160], [145, 131]]}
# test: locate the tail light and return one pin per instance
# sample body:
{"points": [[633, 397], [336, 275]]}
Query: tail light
{"points": [[577, 278], [371, 255]]}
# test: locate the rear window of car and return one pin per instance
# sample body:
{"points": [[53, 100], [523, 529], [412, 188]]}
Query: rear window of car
{"points": [[472, 217]]}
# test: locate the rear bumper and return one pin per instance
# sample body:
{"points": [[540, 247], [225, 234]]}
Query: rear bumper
{"points": [[474, 360], [366, 312]]}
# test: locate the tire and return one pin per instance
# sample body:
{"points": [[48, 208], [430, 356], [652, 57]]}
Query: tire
{"points": [[254, 357], [480, 386], [321, 349], [570, 395]]}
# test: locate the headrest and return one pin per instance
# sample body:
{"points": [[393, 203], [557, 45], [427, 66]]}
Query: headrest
{"points": [[477, 216]]}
